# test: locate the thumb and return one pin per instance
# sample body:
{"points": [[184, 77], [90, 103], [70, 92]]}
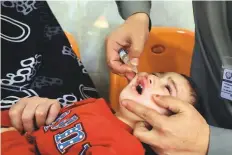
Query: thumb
{"points": [[170, 103], [130, 75], [137, 45], [118, 67], [142, 133], [53, 112]]}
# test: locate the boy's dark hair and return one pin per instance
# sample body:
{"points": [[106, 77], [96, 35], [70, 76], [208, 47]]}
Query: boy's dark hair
{"points": [[195, 94]]}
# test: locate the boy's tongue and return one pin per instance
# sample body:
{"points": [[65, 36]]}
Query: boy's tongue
{"points": [[142, 81]]}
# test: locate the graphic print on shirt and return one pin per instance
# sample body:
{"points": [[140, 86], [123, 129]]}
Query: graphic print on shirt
{"points": [[20, 81], [84, 91], [73, 135], [14, 82], [17, 25], [68, 99], [61, 122], [8, 101], [85, 147], [69, 137], [50, 31], [41, 81], [68, 51], [24, 7]]}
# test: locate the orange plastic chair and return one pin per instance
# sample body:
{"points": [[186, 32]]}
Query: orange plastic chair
{"points": [[73, 44], [167, 50]]}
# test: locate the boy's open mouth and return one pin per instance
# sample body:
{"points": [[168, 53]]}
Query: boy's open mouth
{"points": [[139, 89], [140, 85]]}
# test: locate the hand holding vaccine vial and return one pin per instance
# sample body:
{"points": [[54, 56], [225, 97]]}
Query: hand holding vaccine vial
{"points": [[125, 58]]}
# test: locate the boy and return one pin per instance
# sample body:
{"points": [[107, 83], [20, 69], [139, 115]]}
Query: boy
{"points": [[89, 127]]}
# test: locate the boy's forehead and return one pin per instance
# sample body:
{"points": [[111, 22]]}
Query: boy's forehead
{"points": [[172, 75], [160, 73], [166, 73]]}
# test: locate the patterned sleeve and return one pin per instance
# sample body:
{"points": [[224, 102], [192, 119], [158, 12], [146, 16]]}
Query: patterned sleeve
{"points": [[42, 62]]}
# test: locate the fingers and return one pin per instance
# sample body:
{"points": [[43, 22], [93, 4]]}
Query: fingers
{"points": [[116, 41], [136, 48], [144, 135], [46, 113], [171, 103], [113, 59], [42, 110], [118, 67], [41, 114], [29, 113], [15, 114], [140, 127], [147, 114], [130, 75], [53, 112], [131, 36]]}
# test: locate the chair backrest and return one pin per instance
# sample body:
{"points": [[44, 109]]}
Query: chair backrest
{"points": [[166, 50], [73, 44]]}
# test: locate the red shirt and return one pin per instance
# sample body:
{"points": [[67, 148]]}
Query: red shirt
{"points": [[85, 127]]}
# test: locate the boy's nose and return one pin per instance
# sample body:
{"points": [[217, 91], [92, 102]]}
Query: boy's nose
{"points": [[152, 80]]}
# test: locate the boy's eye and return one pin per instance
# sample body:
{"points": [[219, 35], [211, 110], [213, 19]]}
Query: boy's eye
{"points": [[139, 89], [168, 88]]}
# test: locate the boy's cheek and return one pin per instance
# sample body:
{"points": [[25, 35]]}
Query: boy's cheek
{"points": [[144, 99], [125, 95], [128, 95]]}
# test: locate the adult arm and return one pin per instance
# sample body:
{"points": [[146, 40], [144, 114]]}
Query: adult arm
{"points": [[220, 141], [205, 58], [128, 8]]}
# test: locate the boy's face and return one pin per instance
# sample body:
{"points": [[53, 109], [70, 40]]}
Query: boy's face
{"points": [[144, 85]]}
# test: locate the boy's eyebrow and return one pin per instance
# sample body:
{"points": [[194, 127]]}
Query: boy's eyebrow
{"points": [[154, 74], [158, 74], [174, 84], [172, 81]]}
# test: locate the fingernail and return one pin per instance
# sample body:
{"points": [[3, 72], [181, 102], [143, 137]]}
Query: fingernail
{"points": [[134, 61], [129, 69], [124, 103], [156, 96], [130, 76]]}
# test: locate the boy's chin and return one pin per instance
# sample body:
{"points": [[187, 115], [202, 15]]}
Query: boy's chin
{"points": [[125, 96]]}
